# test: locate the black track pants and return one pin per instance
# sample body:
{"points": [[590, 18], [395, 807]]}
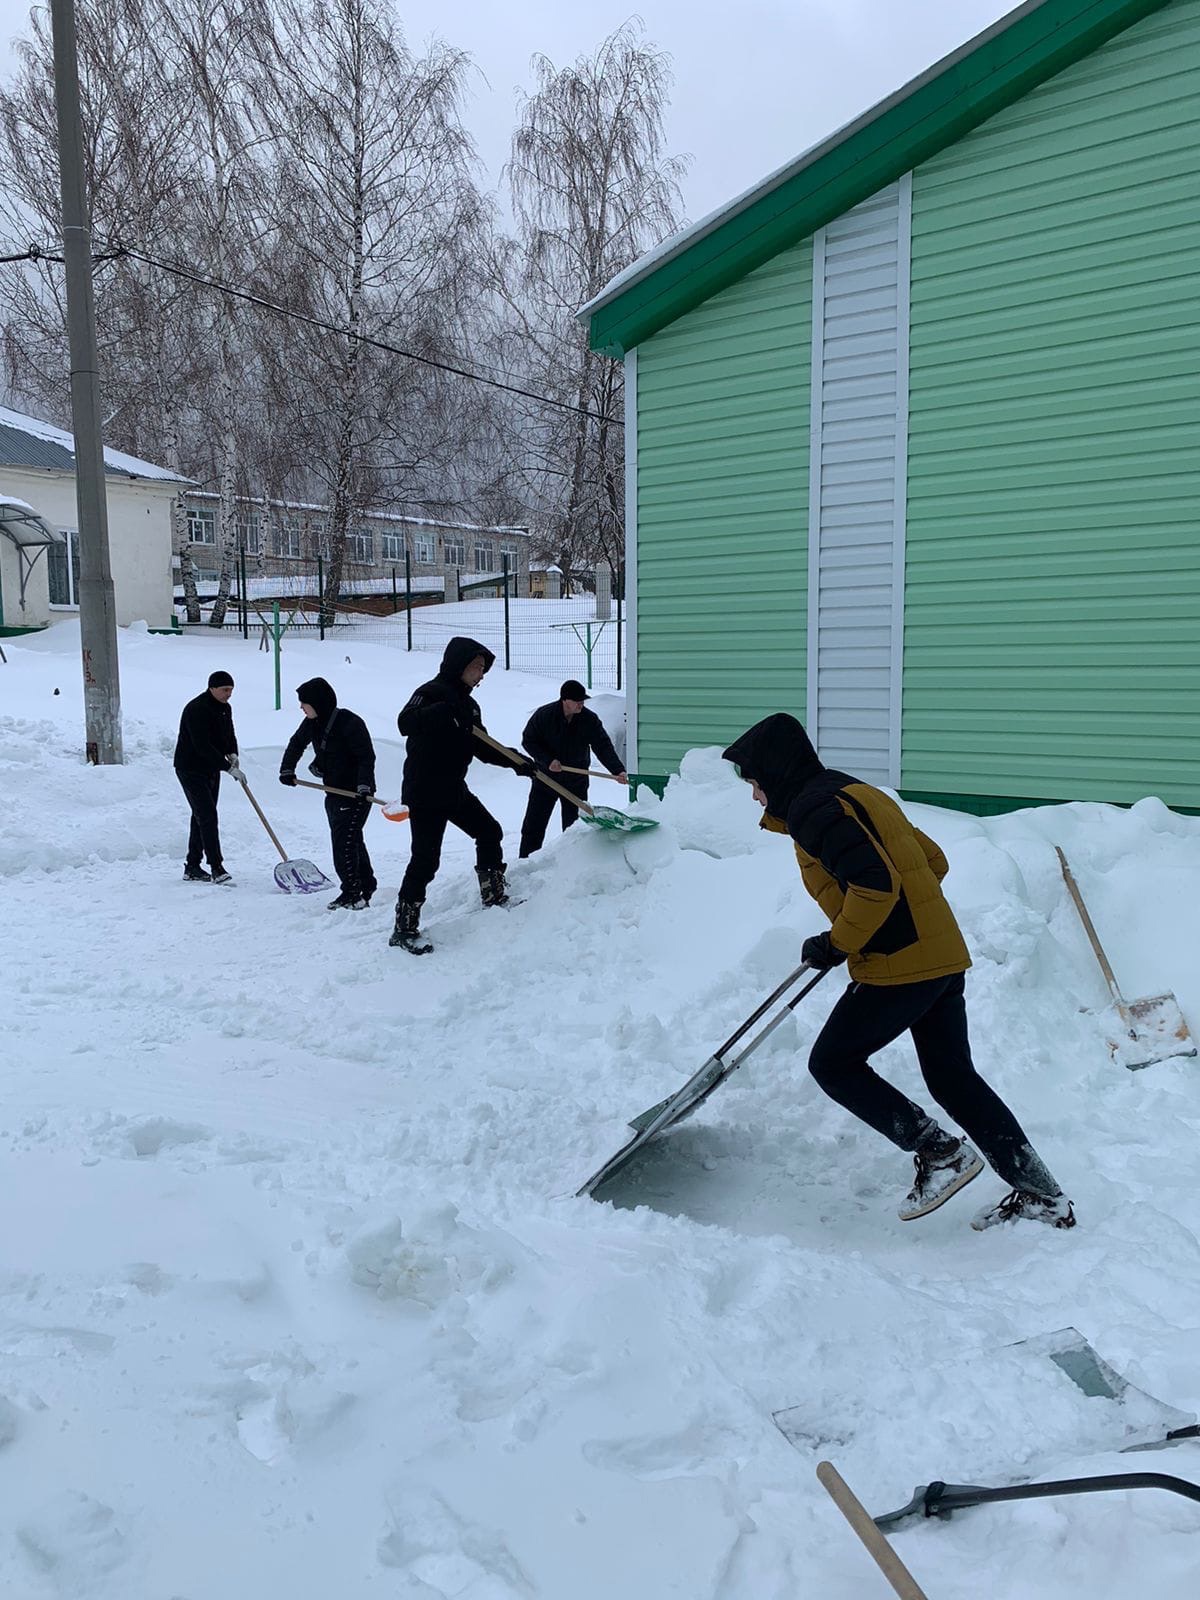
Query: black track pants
{"points": [[201, 789], [350, 859], [540, 809], [870, 1016], [428, 828]]}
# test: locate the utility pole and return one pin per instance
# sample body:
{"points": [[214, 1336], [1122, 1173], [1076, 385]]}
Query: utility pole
{"points": [[97, 605]]}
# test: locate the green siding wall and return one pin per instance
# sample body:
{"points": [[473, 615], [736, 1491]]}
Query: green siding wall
{"points": [[1052, 629], [722, 513]]}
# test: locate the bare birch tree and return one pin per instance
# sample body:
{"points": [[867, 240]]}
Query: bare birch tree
{"points": [[592, 189], [383, 217]]}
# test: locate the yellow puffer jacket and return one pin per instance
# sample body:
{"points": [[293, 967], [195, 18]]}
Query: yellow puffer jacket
{"points": [[878, 880]]}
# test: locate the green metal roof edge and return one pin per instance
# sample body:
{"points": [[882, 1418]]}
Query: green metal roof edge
{"points": [[933, 111]]}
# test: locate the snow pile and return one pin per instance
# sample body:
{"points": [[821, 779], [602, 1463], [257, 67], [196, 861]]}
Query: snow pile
{"points": [[294, 1295]]}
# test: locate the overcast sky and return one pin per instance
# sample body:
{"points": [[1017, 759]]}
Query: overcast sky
{"points": [[755, 84]]}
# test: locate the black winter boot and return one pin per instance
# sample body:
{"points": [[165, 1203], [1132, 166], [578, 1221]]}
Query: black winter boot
{"points": [[406, 933], [493, 887]]}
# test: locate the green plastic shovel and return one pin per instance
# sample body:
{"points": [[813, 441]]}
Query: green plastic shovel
{"points": [[596, 816]]}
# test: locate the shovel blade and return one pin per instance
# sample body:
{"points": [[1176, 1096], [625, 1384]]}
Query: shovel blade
{"points": [[300, 877], [616, 821], [1152, 1030]]}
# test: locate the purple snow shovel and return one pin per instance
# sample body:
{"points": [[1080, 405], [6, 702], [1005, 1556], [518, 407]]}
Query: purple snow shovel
{"points": [[1150, 1030], [293, 877]]}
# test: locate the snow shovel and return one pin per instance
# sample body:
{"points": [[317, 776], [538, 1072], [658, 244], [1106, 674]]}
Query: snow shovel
{"points": [[1155, 1029], [293, 877], [392, 809], [598, 816], [877, 1546], [592, 772]]}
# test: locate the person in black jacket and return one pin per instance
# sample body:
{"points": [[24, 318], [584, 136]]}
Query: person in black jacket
{"points": [[343, 758], [438, 723], [206, 747], [563, 734]]}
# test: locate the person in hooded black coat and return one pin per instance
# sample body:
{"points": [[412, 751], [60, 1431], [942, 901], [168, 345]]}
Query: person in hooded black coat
{"points": [[439, 722], [343, 758], [563, 734]]}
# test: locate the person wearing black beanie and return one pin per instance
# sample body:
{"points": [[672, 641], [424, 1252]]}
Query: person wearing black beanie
{"points": [[559, 736], [207, 746], [343, 758]]}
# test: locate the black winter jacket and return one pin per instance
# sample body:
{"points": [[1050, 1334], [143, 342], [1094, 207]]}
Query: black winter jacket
{"points": [[206, 737], [437, 723], [551, 736], [343, 755]]}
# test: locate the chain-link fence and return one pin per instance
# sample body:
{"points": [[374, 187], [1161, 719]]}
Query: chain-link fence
{"points": [[550, 638]]}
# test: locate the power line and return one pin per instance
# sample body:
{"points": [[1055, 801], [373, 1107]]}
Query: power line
{"points": [[264, 304]]}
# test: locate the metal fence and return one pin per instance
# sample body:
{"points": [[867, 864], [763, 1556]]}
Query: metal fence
{"points": [[549, 638]]}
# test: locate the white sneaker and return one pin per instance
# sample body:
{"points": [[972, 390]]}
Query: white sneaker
{"points": [[938, 1178], [1019, 1206]]}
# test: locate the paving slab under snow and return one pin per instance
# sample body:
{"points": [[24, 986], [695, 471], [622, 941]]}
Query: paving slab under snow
{"points": [[294, 1299]]}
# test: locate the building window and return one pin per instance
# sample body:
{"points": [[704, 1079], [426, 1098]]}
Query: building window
{"points": [[392, 545], [285, 540], [423, 550], [360, 545], [455, 550], [485, 556], [248, 530], [318, 536], [202, 524], [510, 551], [63, 571]]}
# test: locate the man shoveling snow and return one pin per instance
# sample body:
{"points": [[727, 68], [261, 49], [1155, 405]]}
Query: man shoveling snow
{"points": [[878, 880]]}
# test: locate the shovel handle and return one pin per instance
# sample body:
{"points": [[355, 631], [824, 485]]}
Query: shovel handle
{"points": [[859, 1518], [1109, 975], [592, 772], [518, 760], [283, 855], [350, 794]]}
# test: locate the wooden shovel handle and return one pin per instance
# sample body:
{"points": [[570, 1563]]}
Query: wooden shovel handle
{"points": [[519, 760], [859, 1518], [350, 794], [591, 772], [283, 855], [1089, 929]]}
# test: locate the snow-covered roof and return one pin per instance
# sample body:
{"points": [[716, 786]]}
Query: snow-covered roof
{"points": [[29, 442], [375, 516]]}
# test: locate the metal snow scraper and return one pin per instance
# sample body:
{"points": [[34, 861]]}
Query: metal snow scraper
{"points": [[1155, 1029], [680, 1105], [598, 816], [293, 877]]}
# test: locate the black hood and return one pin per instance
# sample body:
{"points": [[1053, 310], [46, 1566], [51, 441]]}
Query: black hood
{"points": [[320, 696], [460, 652], [778, 755]]}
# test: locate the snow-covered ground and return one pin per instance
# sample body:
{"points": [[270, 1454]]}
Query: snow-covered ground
{"points": [[294, 1297]]}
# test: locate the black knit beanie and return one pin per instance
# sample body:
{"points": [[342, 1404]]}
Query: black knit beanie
{"points": [[220, 680]]}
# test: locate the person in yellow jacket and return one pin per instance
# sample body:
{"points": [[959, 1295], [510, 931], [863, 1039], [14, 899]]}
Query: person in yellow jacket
{"points": [[878, 880]]}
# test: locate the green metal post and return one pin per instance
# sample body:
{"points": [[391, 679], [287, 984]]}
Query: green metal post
{"points": [[507, 639], [276, 631], [408, 592], [588, 648], [245, 594], [320, 600]]}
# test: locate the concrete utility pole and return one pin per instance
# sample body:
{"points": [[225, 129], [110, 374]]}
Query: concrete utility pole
{"points": [[97, 605]]}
